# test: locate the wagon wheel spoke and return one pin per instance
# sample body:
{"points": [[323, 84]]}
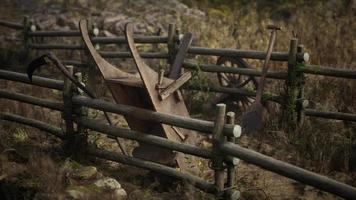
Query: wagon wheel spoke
{"points": [[247, 81], [237, 81]]}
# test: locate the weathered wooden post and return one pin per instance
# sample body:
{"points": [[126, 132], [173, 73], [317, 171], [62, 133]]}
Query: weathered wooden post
{"points": [[26, 29], [301, 102], [67, 113], [218, 138], [171, 43], [291, 91], [231, 193], [81, 134]]}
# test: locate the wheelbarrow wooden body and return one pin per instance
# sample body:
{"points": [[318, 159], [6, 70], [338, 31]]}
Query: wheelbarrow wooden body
{"points": [[141, 91]]}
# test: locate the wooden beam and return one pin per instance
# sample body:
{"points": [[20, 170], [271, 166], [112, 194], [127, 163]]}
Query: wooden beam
{"points": [[330, 115], [36, 80], [290, 171], [197, 182], [327, 71], [143, 137], [56, 131], [149, 115], [174, 86], [233, 70], [31, 100]]}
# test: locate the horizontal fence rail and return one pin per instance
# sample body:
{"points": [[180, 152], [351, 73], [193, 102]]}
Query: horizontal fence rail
{"points": [[32, 100], [197, 182], [266, 162], [67, 33], [36, 80], [330, 115], [234, 91], [144, 114], [152, 55], [327, 71], [260, 55], [290, 171], [145, 138], [56, 131], [75, 63], [159, 168], [100, 40], [229, 149], [12, 25], [233, 70]]}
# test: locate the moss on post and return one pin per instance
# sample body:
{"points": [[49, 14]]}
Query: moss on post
{"points": [[291, 89]]}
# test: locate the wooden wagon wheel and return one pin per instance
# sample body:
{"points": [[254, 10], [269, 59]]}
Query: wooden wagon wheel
{"points": [[236, 81]]}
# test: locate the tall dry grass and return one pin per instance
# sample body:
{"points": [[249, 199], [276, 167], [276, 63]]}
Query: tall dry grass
{"points": [[327, 30]]}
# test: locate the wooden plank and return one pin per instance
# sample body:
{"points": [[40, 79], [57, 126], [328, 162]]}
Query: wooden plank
{"points": [[152, 116], [170, 105], [175, 69], [133, 96], [174, 86]]}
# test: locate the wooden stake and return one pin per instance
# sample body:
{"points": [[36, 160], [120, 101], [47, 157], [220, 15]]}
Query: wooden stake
{"points": [[218, 139], [231, 194], [67, 113], [301, 82], [171, 43], [290, 117]]}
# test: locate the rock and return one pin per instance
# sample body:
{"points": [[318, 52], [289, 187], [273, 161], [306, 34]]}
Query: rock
{"points": [[108, 183], [85, 172], [111, 185], [78, 192], [120, 193]]}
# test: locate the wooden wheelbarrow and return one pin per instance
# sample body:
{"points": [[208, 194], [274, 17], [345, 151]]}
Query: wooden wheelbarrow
{"points": [[148, 90]]}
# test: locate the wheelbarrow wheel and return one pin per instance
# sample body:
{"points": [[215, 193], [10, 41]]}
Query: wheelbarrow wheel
{"points": [[240, 102]]}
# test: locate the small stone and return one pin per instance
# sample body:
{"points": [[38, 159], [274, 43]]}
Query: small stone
{"points": [[108, 183], [85, 172], [78, 192], [120, 193]]}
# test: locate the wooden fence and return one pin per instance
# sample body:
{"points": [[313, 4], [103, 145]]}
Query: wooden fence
{"points": [[292, 99], [224, 151], [222, 132]]}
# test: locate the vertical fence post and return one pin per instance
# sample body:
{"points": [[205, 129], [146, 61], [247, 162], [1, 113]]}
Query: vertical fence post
{"points": [[26, 29], [67, 112], [81, 135], [291, 91], [218, 139], [231, 193], [171, 43], [301, 103]]}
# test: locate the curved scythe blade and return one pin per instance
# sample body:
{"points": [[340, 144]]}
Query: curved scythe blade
{"points": [[35, 64]]}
